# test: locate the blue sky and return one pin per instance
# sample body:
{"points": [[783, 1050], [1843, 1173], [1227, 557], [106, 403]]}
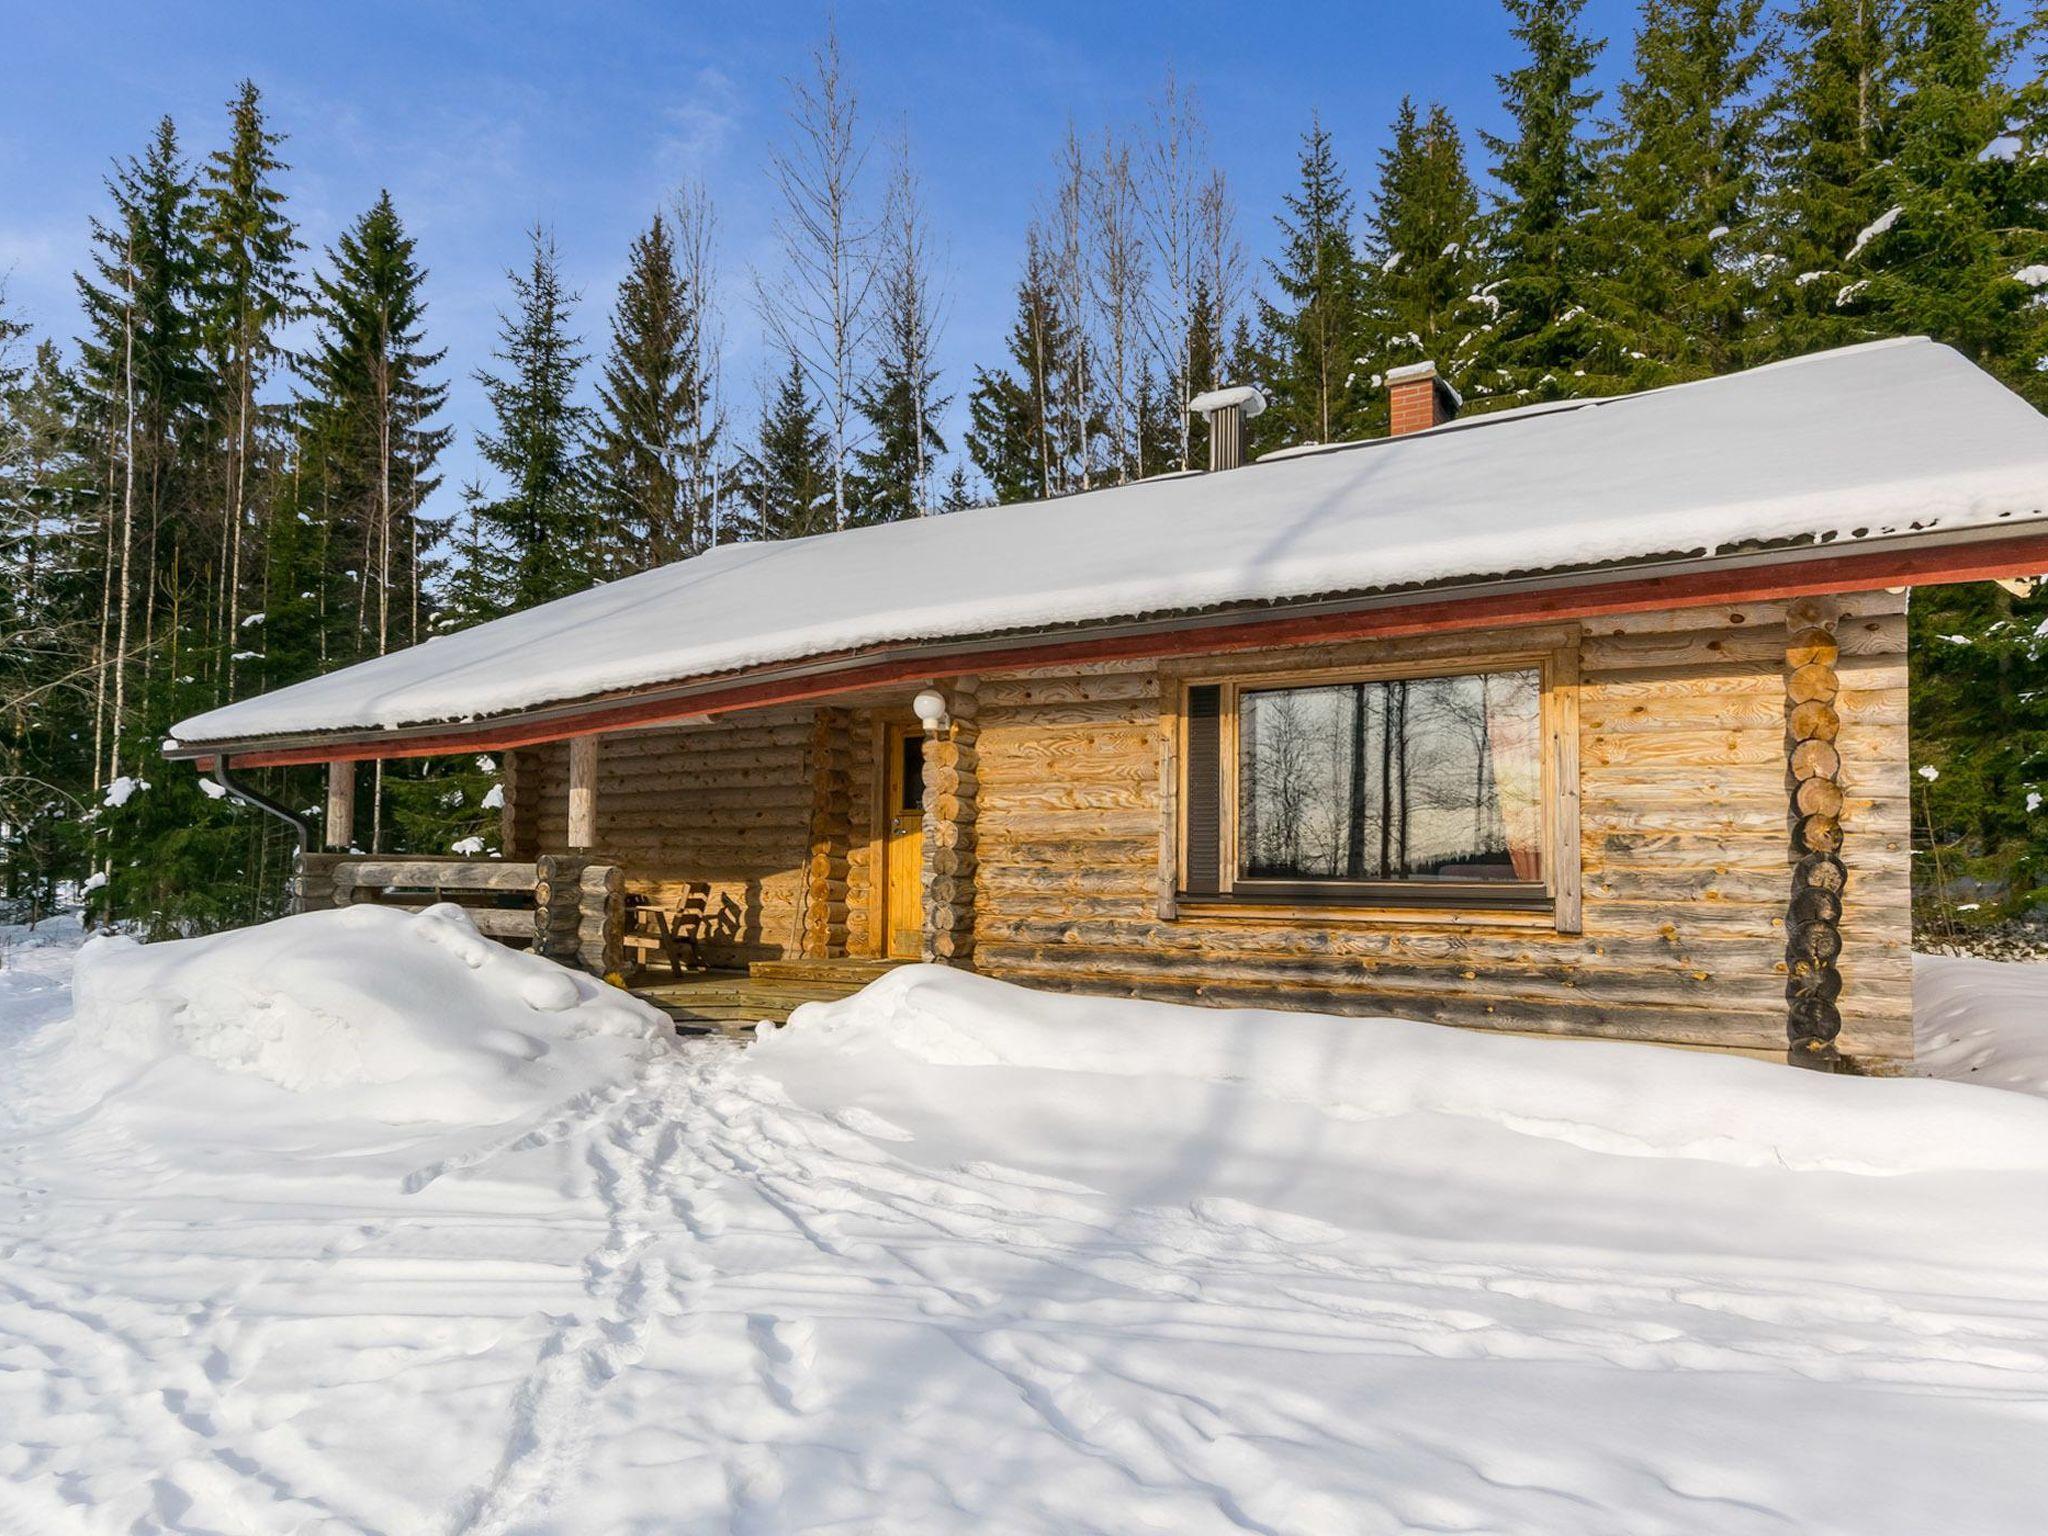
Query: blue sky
{"points": [[482, 118]]}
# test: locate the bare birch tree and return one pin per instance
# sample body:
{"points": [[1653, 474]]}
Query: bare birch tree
{"points": [[706, 461], [1119, 287], [1070, 247], [916, 311], [1172, 183], [1222, 274], [818, 308], [900, 402]]}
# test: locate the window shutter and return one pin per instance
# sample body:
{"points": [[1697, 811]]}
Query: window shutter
{"points": [[1205, 790]]}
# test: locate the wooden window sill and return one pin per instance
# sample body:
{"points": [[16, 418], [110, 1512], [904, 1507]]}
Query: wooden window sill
{"points": [[1277, 912]]}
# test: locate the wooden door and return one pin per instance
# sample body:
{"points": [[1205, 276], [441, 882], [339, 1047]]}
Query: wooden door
{"points": [[903, 855]]}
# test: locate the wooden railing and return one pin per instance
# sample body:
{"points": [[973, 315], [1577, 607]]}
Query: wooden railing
{"points": [[568, 907]]}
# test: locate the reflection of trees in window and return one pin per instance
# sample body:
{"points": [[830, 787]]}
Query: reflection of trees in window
{"points": [[1407, 779]]}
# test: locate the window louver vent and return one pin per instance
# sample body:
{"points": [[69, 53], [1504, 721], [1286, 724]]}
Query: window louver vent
{"points": [[1205, 809]]}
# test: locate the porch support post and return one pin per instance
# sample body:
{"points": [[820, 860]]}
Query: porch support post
{"points": [[951, 805], [1813, 921], [341, 806], [583, 792], [825, 906]]}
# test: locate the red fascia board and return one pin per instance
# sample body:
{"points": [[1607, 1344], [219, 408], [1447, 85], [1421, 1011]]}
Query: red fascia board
{"points": [[1986, 561]]}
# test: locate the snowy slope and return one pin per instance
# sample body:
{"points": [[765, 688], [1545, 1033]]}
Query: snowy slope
{"points": [[952, 1257], [1981, 1021], [1846, 444]]}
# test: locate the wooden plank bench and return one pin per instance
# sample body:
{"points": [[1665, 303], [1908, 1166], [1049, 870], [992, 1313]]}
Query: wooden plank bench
{"points": [[674, 931], [566, 907]]}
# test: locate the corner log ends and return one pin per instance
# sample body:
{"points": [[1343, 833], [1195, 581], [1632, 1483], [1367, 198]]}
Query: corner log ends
{"points": [[1813, 922], [951, 788], [579, 912]]}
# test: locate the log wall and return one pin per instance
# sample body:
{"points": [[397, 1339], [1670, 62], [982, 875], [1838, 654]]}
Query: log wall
{"points": [[1688, 800], [1685, 852], [776, 812], [731, 804]]}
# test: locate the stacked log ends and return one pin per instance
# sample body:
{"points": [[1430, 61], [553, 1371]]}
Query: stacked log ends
{"points": [[1813, 925], [826, 873], [601, 922], [313, 885], [558, 906], [951, 785]]}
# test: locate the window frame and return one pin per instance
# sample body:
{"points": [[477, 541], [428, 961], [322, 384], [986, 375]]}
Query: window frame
{"points": [[1553, 903]]}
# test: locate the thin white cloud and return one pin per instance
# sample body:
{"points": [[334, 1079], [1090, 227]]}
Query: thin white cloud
{"points": [[701, 124]]}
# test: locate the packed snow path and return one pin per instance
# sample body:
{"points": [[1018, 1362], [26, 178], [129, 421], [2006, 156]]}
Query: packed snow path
{"points": [[849, 1286]]}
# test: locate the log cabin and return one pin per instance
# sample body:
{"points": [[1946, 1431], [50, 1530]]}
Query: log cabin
{"points": [[1586, 718]]}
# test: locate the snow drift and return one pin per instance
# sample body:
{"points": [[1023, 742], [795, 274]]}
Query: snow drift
{"points": [[953, 1256], [1981, 1021], [383, 1014], [1609, 1097]]}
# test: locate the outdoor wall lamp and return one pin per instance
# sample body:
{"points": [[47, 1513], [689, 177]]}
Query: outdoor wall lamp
{"points": [[930, 706]]}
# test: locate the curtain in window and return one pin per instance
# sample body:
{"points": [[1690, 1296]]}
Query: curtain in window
{"points": [[1510, 707]]}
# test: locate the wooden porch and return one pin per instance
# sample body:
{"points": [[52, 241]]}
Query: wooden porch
{"points": [[768, 991], [726, 871], [570, 910]]}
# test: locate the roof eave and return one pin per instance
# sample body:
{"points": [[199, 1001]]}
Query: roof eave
{"points": [[1918, 557]]}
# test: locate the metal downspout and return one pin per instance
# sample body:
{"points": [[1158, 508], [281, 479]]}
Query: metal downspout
{"points": [[301, 833]]}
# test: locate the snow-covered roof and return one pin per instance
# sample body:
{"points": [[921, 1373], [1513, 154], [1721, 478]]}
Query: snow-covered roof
{"points": [[1846, 445]]}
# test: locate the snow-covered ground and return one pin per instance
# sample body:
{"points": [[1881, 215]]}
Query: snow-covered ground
{"points": [[350, 1225], [1982, 1021]]}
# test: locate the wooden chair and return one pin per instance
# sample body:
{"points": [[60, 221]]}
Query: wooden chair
{"points": [[676, 931]]}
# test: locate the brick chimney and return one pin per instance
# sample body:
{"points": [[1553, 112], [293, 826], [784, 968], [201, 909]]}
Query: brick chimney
{"points": [[1227, 410], [1417, 399]]}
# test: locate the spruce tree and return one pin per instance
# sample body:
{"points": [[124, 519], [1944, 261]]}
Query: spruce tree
{"points": [[367, 453], [351, 558], [896, 471], [1159, 417], [1977, 656], [1012, 435], [540, 519], [1005, 435], [653, 417], [1317, 329], [1964, 252], [959, 494], [48, 592], [1680, 182], [13, 336], [1547, 340], [786, 482], [251, 288], [1832, 127], [1961, 259], [1422, 243], [468, 593], [894, 475], [162, 852]]}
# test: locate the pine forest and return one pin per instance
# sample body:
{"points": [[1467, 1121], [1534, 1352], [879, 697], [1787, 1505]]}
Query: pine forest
{"points": [[232, 478]]}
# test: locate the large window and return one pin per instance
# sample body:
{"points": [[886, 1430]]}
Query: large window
{"points": [[1394, 789]]}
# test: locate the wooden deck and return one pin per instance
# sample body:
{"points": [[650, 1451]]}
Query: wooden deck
{"points": [[766, 992]]}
